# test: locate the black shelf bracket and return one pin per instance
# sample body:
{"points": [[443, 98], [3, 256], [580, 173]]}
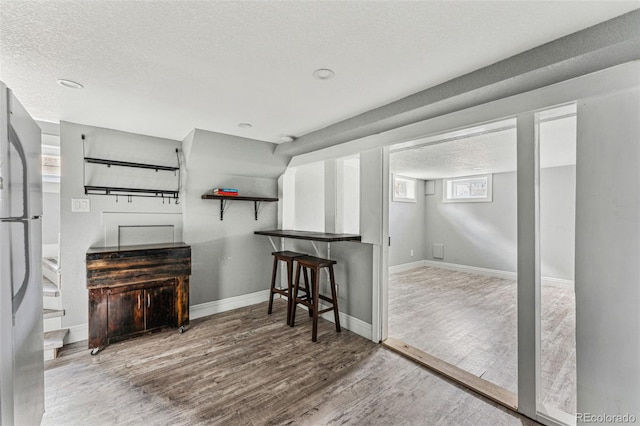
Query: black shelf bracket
{"points": [[223, 205]]}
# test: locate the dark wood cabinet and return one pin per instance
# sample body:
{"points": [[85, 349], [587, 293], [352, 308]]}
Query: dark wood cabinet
{"points": [[135, 290]]}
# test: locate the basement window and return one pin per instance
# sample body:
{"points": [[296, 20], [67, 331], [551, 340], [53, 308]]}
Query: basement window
{"points": [[470, 189], [50, 163]]}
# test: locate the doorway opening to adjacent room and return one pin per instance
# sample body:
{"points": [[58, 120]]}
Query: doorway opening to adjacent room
{"points": [[453, 256]]}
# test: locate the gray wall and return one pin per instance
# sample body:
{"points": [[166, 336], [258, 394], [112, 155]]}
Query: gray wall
{"points": [[228, 259], [484, 234], [407, 229], [79, 231], [558, 222], [50, 217], [608, 249], [475, 234]]}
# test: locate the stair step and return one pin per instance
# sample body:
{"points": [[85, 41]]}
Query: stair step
{"points": [[51, 263], [51, 269], [55, 339], [49, 289], [52, 313]]}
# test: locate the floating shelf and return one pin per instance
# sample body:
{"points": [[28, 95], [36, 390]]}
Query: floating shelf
{"points": [[224, 198], [129, 164]]}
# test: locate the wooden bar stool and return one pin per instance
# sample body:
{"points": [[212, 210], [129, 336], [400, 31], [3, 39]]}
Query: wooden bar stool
{"points": [[314, 265], [288, 257]]}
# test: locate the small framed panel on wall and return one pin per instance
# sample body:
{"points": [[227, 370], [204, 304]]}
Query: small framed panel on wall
{"points": [[404, 189]]}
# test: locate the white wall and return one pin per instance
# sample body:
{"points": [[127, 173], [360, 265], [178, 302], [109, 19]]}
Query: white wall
{"points": [[79, 231], [407, 229], [607, 254], [50, 217], [309, 210], [349, 190]]}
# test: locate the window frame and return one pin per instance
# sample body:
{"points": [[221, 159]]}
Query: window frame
{"points": [[397, 196], [488, 198]]}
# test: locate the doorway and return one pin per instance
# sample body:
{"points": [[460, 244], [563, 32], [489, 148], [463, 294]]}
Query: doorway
{"points": [[453, 294]]}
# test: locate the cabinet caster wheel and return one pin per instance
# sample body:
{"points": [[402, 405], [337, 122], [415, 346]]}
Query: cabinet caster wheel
{"points": [[181, 329], [95, 351]]}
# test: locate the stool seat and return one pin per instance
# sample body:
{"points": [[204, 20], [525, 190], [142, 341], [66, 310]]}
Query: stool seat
{"points": [[314, 265], [287, 254], [315, 262], [288, 257]]}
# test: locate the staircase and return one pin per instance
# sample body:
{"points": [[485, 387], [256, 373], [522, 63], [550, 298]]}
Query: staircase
{"points": [[52, 313]]}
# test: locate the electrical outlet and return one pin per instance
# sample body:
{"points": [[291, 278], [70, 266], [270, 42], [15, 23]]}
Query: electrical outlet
{"points": [[411, 253], [80, 205]]}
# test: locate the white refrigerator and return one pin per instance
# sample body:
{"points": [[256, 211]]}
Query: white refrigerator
{"points": [[21, 335]]}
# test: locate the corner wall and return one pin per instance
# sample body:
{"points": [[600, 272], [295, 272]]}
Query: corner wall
{"points": [[79, 231], [407, 229], [228, 260], [484, 235]]}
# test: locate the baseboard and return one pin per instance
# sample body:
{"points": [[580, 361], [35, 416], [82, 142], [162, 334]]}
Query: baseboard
{"points": [[77, 333], [473, 270], [353, 324], [557, 282], [80, 332], [223, 305], [495, 273], [406, 266]]}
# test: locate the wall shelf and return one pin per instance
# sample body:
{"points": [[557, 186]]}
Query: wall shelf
{"points": [[169, 194], [128, 164], [224, 198]]}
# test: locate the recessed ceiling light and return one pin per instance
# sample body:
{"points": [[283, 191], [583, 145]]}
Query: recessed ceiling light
{"points": [[287, 138], [323, 74], [245, 125], [70, 84], [478, 168]]}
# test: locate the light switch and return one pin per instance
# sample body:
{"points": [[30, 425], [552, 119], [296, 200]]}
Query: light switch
{"points": [[80, 205]]}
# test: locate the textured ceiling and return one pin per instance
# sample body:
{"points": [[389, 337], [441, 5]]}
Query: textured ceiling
{"points": [[165, 67], [484, 150]]}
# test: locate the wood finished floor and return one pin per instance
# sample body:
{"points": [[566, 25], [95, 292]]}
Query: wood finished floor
{"points": [[244, 367], [470, 321]]}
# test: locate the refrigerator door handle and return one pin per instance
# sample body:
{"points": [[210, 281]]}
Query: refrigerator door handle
{"points": [[22, 291], [15, 141]]}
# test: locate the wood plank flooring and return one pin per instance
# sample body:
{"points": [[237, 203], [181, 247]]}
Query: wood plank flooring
{"points": [[244, 367], [470, 321]]}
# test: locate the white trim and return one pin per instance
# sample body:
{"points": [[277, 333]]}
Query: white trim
{"points": [[80, 332], [406, 266], [77, 333], [353, 324], [447, 196], [506, 275], [223, 305], [557, 282]]}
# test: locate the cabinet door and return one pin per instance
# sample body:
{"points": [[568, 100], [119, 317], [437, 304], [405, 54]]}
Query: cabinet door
{"points": [[125, 312], [160, 306]]}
